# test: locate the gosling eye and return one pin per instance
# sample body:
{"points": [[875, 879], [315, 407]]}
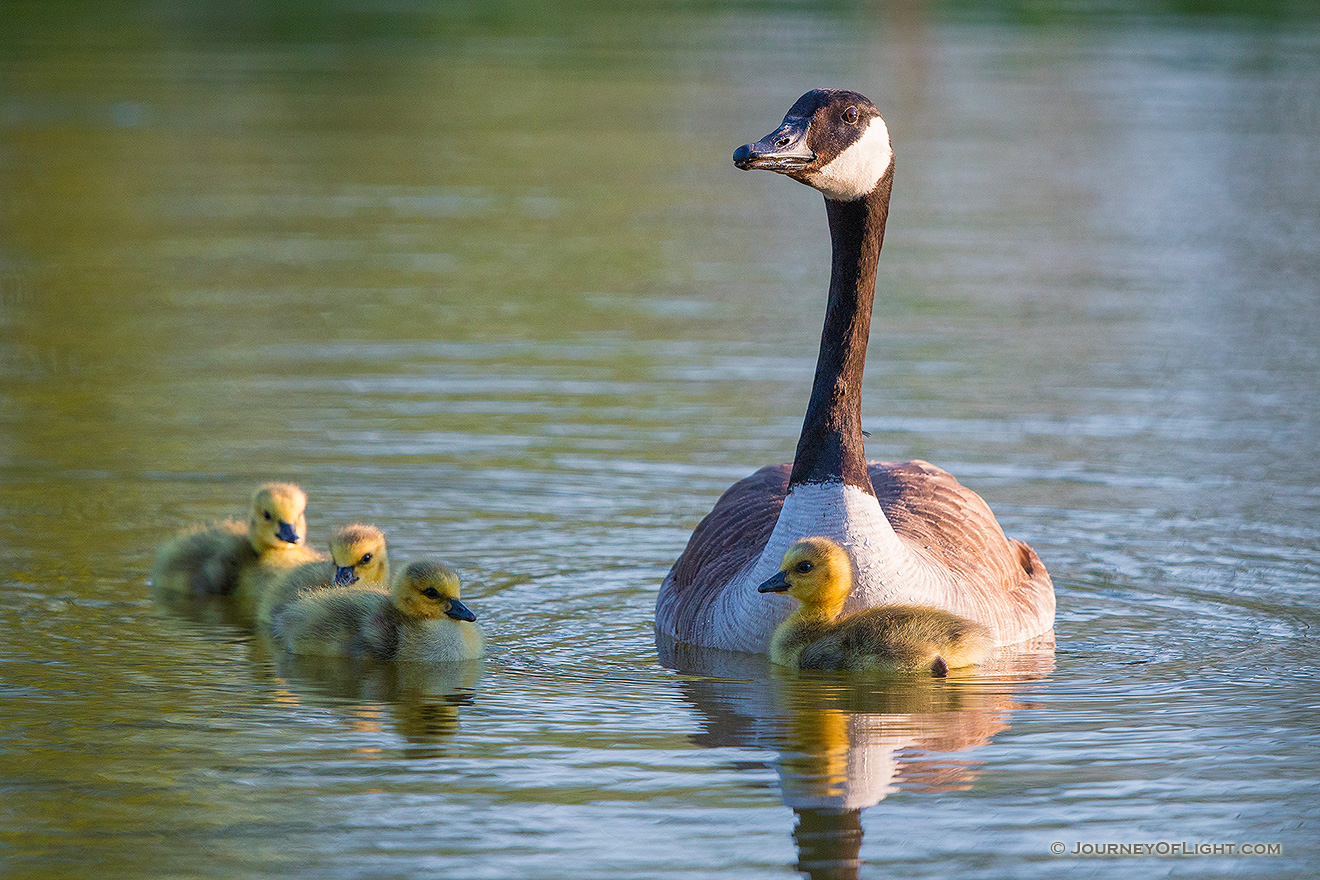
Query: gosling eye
{"points": [[366, 557], [267, 512], [431, 593], [803, 567], [850, 116]]}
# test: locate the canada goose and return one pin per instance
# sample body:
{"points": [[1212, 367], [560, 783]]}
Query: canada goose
{"points": [[357, 555], [420, 619], [278, 526], [209, 560], [916, 535], [898, 638]]}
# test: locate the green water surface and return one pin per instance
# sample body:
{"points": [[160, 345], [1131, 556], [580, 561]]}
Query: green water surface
{"points": [[485, 275]]}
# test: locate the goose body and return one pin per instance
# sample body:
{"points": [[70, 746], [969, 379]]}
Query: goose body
{"points": [[895, 638], [211, 560], [916, 536], [357, 556], [420, 620]]}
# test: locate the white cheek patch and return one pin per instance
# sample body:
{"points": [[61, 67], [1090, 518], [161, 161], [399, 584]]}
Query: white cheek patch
{"points": [[855, 172]]}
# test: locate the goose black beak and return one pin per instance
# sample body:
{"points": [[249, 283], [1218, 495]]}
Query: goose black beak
{"points": [[776, 584], [344, 575], [459, 611], [784, 149], [287, 533]]}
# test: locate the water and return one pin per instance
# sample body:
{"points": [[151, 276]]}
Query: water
{"points": [[489, 280]]}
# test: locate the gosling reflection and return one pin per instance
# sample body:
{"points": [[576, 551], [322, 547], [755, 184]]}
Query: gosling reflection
{"points": [[847, 745], [845, 741], [421, 702]]}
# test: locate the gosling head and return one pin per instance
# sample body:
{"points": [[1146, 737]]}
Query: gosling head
{"points": [[833, 140], [429, 590], [359, 554], [815, 571], [278, 517]]}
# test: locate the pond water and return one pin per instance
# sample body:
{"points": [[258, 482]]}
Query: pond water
{"points": [[489, 280]]}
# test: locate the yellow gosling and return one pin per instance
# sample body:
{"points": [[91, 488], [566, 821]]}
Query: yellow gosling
{"points": [[895, 638], [277, 529], [210, 560], [357, 556], [421, 619]]}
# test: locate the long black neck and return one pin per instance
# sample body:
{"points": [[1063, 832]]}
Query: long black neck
{"points": [[830, 448]]}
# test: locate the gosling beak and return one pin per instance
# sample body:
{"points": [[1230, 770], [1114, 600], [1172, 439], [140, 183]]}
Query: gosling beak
{"points": [[287, 533], [344, 575], [784, 149], [459, 611], [776, 584]]}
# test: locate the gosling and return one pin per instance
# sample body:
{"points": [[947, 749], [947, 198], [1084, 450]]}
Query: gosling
{"points": [[893, 638], [421, 619], [279, 514], [357, 556], [211, 560]]}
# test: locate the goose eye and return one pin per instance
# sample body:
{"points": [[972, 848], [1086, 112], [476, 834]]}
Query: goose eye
{"points": [[366, 557], [431, 593], [803, 567], [267, 512], [850, 116]]}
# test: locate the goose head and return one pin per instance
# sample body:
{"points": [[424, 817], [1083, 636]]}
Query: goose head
{"points": [[833, 140], [429, 590], [359, 554], [278, 518], [815, 571]]}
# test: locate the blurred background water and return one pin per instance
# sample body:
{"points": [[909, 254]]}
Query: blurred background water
{"points": [[484, 274]]}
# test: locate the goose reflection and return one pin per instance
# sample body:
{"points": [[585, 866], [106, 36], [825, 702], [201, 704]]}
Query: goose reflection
{"points": [[844, 742], [421, 702]]}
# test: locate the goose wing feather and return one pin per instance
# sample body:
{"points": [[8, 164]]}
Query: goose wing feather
{"points": [[993, 579], [726, 539]]}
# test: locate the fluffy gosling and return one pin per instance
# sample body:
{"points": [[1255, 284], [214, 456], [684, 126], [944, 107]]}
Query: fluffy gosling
{"points": [[357, 556], [279, 524], [420, 619], [210, 560], [895, 638]]}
